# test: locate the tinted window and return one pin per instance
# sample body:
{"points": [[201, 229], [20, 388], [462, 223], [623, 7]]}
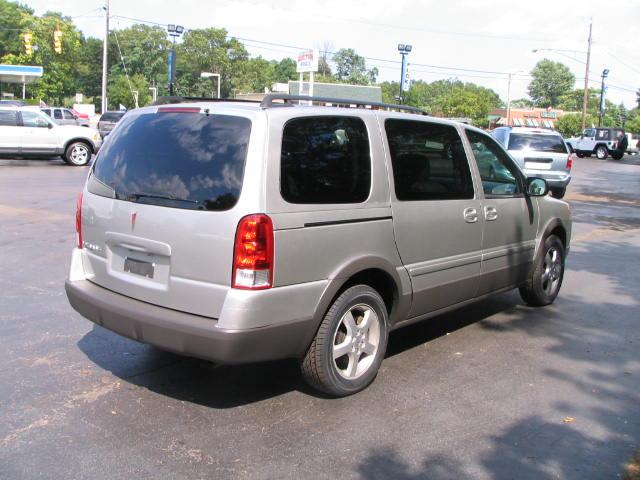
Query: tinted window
{"points": [[57, 114], [590, 132], [182, 160], [428, 161], [46, 110], [111, 116], [500, 176], [8, 118], [325, 160], [33, 119], [68, 115], [539, 143]]}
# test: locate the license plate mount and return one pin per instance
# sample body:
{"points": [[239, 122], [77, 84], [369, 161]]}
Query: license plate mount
{"points": [[139, 267]]}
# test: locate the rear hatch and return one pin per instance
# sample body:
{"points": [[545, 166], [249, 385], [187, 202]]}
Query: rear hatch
{"points": [[541, 152], [156, 223]]}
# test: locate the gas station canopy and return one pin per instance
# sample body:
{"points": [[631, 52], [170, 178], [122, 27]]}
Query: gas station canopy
{"points": [[20, 73]]}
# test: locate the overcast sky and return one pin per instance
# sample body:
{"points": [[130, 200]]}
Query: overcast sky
{"points": [[476, 35]]}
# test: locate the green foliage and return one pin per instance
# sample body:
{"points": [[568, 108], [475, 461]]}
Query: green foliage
{"points": [[573, 101], [551, 81], [119, 91], [15, 20], [571, 125], [352, 68], [447, 98]]}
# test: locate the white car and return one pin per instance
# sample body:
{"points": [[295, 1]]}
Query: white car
{"points": [[25, 131]]}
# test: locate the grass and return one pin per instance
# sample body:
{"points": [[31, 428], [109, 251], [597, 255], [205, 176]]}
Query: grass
{"points": [[633, 468]]}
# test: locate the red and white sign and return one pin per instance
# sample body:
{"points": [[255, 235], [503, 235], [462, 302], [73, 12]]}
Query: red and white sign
{"points": [[308, 61]]}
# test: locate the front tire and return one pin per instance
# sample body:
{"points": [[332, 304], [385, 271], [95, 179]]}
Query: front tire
{"points": [[351, 342], [601, 152], [544, 282], [77, 154]]}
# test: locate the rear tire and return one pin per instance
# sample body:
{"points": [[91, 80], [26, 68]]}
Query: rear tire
{"points": [[545, 280], [617, 155], [351, 342], [77, 154], [558, 192], [601, 152], [580, 154]]}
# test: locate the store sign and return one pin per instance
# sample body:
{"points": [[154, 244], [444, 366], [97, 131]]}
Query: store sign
{"points": [[549, 114], [308, 61]]}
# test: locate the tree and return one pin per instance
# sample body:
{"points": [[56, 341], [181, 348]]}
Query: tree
{"points": [[638, 97], [285, 70], [325, 49], [120, 92], [209, 50], [571, 124], [89, 67], [15, 20], [352, 68], [551, 81]]}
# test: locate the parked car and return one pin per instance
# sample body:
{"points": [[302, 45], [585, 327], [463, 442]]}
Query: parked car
{"points": [[26, 131], [240, 232], [108, 121], [599, 141], [633, 145], [12, 103], [541, 153], [65, 116]]}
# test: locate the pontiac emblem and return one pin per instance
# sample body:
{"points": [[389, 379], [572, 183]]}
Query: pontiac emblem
{"points": [[134, 215]]}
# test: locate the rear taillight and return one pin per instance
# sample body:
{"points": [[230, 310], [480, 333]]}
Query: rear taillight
{"points": [[570, 161], [79, 219], [253, 253]]}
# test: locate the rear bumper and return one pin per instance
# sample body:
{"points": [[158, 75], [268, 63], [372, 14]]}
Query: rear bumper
{"points": [[184, 333]]}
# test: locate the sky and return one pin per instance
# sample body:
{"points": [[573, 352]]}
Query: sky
{"points": [[479, 41]]}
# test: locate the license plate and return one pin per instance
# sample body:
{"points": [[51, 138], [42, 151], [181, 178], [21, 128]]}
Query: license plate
{"points": [[139, 267], [537, 166]]}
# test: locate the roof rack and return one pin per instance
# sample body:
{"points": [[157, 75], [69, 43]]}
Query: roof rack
{"points": [[177, 99], [270, 100]]}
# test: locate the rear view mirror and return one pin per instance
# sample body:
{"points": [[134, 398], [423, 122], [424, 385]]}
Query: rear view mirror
{"points": [[537, 187]]}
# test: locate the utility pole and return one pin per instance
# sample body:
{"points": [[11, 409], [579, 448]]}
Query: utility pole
{"points": [[605, 74], [104, 57], [585, 99]]}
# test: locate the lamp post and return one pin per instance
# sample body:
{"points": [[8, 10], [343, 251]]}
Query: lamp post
{"points": [[404, 51], [174, 31], [212, 75], [605, 74]]}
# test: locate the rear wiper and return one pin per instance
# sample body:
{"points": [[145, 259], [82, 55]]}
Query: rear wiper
{"points": [[137, 196]]}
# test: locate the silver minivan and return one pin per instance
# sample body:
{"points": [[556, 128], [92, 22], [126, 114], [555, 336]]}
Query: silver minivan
{"points": [[540, 153], [243, 232]]}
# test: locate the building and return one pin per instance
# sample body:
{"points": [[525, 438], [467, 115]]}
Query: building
{"points": [[526, 117]]}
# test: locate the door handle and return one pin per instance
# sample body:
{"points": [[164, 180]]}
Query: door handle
{"points": [[470, 215], [490, 213]]}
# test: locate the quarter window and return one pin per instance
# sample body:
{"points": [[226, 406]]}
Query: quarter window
{"points": [[57, 114], [428, 161], [33, 119], [68, 115], [325, 160], [500, 176]]}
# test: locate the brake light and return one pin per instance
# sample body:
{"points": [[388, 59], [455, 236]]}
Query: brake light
{"points": [[79, 219], [570, 161], [253, 253]]}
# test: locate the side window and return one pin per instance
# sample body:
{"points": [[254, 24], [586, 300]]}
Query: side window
{"points": [[501, 136], [428, 161], [8, 118], [325, 160], [46, 110], [500, 176], [68, 115], [32, 119], [590, 133], [602, 134], [57, 114]]}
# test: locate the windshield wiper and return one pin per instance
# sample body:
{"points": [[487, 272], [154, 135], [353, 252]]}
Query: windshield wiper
{"points": [[133, 197]]}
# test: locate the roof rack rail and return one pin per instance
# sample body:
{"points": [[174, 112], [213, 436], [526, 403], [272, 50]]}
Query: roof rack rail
{"points": [[178, 99], [271, 98]]}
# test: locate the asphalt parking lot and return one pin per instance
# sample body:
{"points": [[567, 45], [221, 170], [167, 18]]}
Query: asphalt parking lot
{"points": [[496, 390]]}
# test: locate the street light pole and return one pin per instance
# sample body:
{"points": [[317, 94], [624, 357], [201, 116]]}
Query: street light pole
{"points": [[404, 51], [509, 97], [104, 57], [605, 73], [585, 98], [174, 31]]}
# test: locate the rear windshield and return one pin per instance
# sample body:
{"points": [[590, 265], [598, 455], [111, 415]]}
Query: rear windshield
{"points": [[111, 116], [182, 160], [539, 143]]}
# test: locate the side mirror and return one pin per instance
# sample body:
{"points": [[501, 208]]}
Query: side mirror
{"points": [[537, 187], [49, 125]]}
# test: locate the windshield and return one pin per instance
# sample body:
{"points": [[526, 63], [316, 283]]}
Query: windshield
{"points": [[539, 143], [181, 160]]}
